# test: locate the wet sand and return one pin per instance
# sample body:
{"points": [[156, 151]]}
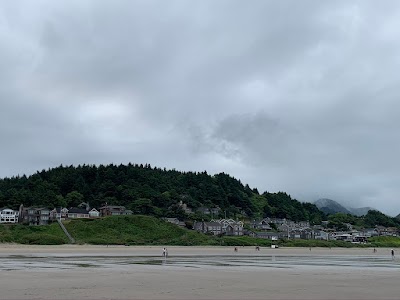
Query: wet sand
{"points": [[119, 272]]}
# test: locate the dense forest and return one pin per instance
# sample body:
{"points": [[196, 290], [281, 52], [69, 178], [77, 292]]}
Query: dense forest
{"points": [[338, 221], [151, 191]]}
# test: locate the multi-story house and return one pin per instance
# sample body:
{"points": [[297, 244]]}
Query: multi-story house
{"points": [[231, 227], [59, 213], [114, 210], [212, 227], [321, 235], [8, 215], [227, 227], [261, 224], [35, 215]]}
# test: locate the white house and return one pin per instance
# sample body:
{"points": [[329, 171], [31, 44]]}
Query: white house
{"points": [[8, 215], [94, 213]]}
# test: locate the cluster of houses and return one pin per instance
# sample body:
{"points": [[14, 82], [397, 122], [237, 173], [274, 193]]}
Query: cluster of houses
{"points": [[275, 228], [219, 227], [44, 215], [268, 228]]}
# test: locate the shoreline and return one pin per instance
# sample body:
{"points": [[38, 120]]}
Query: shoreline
{"points": [[183, 250], [89, 272]]}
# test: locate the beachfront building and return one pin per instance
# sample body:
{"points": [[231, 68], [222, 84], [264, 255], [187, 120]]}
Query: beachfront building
{"points": [[34, 215], [369, 232], [94, 213], [78, 213], [222, 226], [321, 235], [387, 231], [72, 213], [114, 210], [8, 216], [265, 235], [346, 237], [261, 224], [231, 227], [212, 227], [59, 213]]}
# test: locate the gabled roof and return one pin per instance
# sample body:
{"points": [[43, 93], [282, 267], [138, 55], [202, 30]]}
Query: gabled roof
{"points": [[36, 208], [113, 207], [212, 224], [76, 210], [58, 209]]}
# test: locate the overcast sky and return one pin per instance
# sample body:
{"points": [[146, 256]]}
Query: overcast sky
{"points": [[294, 96]]}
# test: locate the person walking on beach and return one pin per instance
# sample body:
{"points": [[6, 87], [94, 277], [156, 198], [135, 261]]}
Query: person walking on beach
{"points": [[392, 251], [164, 252]]}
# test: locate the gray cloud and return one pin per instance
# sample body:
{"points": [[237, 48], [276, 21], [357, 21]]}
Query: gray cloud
{"points": [[292, 96]]}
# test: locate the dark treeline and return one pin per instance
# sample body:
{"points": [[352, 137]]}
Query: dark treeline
{"points": [[148, 190], [371, 219]]}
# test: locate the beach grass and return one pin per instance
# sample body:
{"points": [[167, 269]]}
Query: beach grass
{"points": [[147, 230]]}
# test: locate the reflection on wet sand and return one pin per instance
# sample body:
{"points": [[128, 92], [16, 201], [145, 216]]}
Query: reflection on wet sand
{"points": [[97, 272], [21, 262]]}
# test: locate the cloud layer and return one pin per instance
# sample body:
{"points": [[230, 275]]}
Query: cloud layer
{"points": [[294, 96]]}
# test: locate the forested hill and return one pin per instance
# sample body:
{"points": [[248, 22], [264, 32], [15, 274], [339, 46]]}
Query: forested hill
{"points": [[148, 190]]}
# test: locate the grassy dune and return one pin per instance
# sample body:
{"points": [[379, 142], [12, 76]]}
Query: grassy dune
{"points": [[146, 230], [38, 235]]}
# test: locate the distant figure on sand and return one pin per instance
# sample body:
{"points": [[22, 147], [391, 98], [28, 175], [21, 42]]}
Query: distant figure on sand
{"points": [[374, 250], [257, 248], [235, 249], [392, 253], [164, 252]]}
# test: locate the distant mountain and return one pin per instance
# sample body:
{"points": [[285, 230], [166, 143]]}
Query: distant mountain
{"points": [[362, 211], [330, 206]]}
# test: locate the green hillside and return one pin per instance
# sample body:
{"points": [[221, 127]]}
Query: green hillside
{"points": [[133, 230], [38, 235], [119, 230], [150, 191], [141, 230]]}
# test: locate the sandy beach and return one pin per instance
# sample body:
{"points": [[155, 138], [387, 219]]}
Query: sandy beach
{"points": [[119, 272]]}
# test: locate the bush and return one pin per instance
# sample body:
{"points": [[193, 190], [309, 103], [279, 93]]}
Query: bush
{"points": [[41, 239]]}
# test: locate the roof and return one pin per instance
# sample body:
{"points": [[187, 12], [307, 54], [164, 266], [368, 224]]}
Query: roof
{"points": [[58, 209], [212, 224], [76, 210], [3, 208], [36, 208], [113, 207]]}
